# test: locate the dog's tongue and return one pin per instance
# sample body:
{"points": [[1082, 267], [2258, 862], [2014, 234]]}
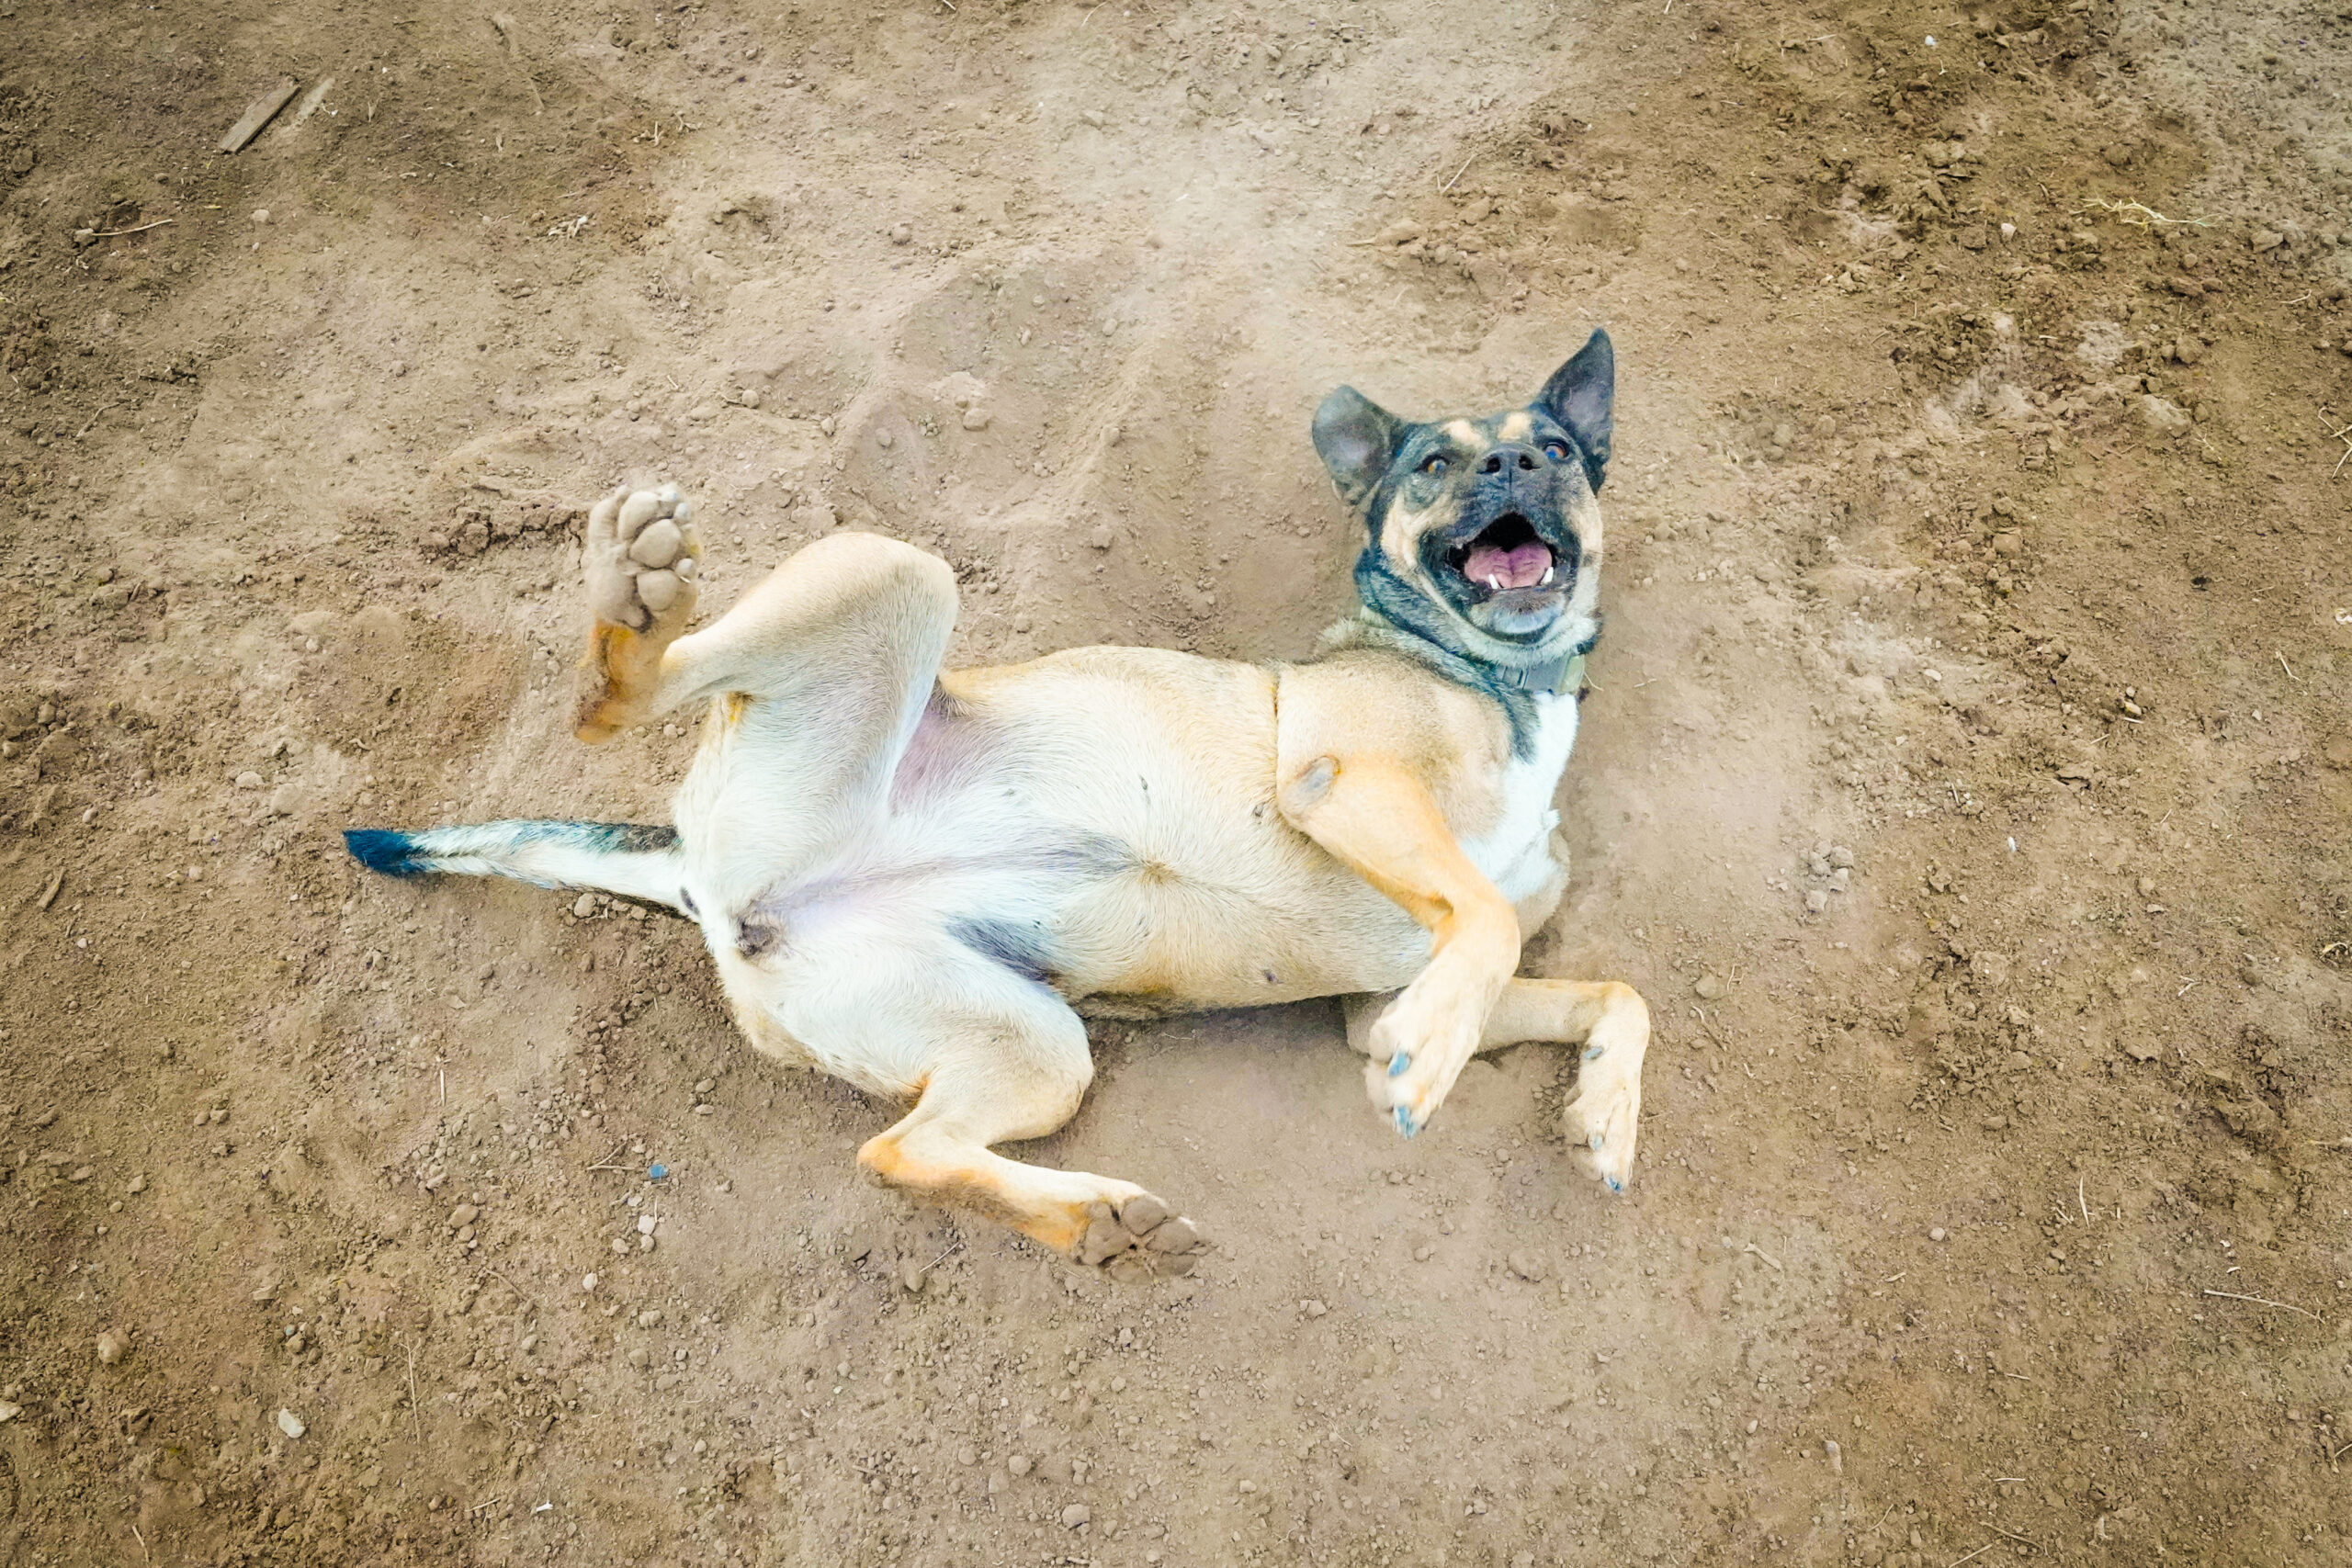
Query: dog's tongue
{"points": [[1522, 567]]}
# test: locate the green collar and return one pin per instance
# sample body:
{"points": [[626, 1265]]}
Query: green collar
{"points": [[1560, 676]]}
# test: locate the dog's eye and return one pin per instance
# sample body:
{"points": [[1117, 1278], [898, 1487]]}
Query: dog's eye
{"points": [[1555, 451], [1434, 464]]}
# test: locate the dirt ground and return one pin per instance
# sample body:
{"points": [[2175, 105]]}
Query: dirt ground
{"points": [[1967, 781]]}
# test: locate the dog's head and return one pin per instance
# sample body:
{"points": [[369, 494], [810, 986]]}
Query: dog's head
{"points": [[1484, 532]]}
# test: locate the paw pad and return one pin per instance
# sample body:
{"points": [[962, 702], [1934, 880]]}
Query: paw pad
{"points": [[642, 558], [1140, 1239]]}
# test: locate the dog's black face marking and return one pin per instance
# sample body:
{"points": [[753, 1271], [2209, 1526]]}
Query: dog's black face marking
{"points": [[1482, 530]]}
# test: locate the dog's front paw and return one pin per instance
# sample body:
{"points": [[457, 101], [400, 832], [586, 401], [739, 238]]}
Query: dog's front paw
{"points": [[1419, 1047], [640, 559], [1603, 1121]]}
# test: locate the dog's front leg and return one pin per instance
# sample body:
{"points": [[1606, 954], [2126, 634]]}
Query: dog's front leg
{"points": [[1373, 814]]}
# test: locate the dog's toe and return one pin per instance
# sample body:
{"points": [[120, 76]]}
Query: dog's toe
{"points": [[1140, 1238], [1602, 1126]]}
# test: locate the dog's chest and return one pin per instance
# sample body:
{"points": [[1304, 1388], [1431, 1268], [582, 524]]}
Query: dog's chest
{"points": [[1516, 852]]}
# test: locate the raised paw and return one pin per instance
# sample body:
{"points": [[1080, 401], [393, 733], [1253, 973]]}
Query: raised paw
{"points": [[1603, 1123], [1139, 1238], [640, 560]]}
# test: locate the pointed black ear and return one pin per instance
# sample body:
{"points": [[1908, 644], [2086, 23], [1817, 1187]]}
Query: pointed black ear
{"points": [[1582, 395], [1357, 439]]}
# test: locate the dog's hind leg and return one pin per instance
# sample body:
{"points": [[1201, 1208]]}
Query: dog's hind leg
{"points": [[816, 678], [1608, 1018], [1013, 1073]]}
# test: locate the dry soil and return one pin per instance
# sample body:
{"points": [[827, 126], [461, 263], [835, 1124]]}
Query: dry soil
{"points": [[1965, 780]]}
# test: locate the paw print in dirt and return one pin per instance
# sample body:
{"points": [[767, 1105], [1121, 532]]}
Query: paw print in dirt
{"points": [[640, 557]]}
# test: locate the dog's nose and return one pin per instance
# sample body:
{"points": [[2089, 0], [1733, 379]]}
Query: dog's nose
{"points": [[1507, 457]]}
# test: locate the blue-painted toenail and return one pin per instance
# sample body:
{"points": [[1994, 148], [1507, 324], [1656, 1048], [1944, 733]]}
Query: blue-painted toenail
{"points": [[1596, 1052], [1397, 1064], [1405, 1122], [1600, 1139], [1615, 1185]]}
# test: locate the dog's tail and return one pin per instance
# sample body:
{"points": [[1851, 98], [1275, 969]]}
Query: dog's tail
{"points": [[613, 857]]}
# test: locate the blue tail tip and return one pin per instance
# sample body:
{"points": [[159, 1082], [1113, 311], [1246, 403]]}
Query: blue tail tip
{"points": [[382, 849]]}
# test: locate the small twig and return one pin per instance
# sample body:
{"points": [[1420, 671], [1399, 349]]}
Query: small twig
{"points": [[142, 1542], [2142, 216], [2344, 436], [529, 1300], [1980, 1552], [484, 1507], [938, 1261], [2019, 1376], [1458, 174], [1766, 1257], [2259, 1301], [603, 1165], [2079, 1202], [2290, 669], [2011, 1534], [118, 233]]}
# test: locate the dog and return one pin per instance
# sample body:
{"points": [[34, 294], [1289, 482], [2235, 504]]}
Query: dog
{"points": [[917, 878]]}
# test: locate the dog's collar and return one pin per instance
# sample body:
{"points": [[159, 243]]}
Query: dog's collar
{"points": [[1560, 676]]}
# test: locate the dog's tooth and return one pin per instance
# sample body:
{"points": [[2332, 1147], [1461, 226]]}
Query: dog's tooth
{"points": [[1494, 584], [1547, 577]]}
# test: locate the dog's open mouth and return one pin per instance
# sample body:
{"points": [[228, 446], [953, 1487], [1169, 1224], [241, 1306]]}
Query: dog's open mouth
{"points": [[1505, 555]]}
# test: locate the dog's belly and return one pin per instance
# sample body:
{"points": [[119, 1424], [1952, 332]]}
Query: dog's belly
{"points": [[1117, 806]]}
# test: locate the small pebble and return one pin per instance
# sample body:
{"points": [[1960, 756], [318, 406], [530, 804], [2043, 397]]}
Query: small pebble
{"points": [[585, 906], [464, 1214], [249, 780], [588, 1281], [1939, 1234], [645, 1224], [1815, 901], [1313, 1308], [1527, 1265], [112, 1347], [968, 1455], [1077, 1514], [1019, 1464], [650, 1318], [1709, 986], [1101, 539], [290, 1423]]}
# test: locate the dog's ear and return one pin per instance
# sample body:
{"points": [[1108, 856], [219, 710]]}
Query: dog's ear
{"points": [[1357, 439], [1582, 395]]}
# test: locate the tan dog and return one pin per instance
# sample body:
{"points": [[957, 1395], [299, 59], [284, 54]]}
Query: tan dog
{"points": [[909, 875]]}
